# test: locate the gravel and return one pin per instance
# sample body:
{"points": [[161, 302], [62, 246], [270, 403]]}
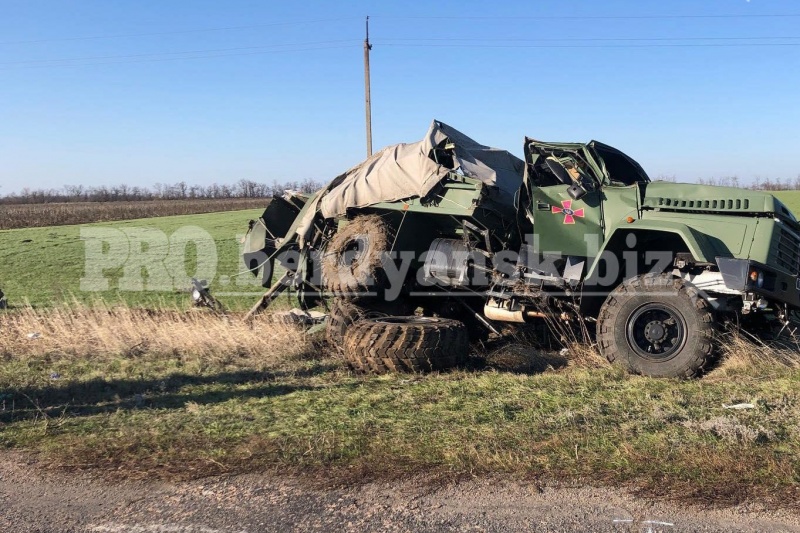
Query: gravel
{"points": [[34, 500]]}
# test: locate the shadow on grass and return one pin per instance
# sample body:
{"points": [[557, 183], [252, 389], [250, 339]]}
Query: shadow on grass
{"points": [[99, 395]]}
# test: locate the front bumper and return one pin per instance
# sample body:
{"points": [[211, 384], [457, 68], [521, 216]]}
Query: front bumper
{"points": [[774, 285]]}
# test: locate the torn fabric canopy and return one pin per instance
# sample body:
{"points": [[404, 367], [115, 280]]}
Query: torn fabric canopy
{"points": [[411, 170]]}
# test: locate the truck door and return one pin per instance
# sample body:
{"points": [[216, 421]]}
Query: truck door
{"points": [[564, 223]]}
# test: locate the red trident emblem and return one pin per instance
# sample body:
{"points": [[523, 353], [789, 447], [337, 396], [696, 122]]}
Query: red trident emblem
{"points": [[569, 213]]}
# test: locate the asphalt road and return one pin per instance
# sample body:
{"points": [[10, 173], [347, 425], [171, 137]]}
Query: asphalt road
{"points": [[32, 500]]}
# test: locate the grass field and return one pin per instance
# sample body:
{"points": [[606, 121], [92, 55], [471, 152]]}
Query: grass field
{"points": [[184, 395], [16, 216], [44, 266], [791, 199]]}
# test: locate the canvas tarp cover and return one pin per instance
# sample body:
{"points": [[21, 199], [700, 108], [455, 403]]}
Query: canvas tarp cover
{"points": [[407, 170]]}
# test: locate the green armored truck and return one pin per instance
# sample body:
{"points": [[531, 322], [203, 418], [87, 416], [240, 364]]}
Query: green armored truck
{"points": [[426, 244]]}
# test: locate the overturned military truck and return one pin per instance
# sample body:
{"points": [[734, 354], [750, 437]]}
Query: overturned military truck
{"points": [[426, 244]]}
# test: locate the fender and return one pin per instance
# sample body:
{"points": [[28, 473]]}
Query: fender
{"points": [[698, 244]]}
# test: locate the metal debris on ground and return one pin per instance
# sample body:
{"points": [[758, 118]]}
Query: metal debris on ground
{"points": [[201, 296], [297, 317]]}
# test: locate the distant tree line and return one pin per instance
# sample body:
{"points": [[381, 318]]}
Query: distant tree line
{"points": [[760, 184], [765, 184], [160, 191], [252, 189]]}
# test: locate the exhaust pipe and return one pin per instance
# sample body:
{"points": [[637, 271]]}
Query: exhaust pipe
{"points": [[505, 315]]}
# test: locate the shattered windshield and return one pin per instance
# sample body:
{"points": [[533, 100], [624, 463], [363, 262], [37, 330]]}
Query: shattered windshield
{"points": [[551, 166], [620, 169]]}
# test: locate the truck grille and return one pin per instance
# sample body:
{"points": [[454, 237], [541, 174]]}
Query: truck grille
{"points": [[788, 254]]}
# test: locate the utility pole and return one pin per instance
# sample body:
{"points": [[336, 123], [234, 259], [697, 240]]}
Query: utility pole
{"points": [[367, 48]]}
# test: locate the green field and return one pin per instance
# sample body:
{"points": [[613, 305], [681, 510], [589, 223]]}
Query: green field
{"points": [[791, 199], [44, 266]]}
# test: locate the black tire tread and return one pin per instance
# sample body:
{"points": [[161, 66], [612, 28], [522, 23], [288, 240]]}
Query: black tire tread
{"points": [[692, 366], [377, 347], [352, 286], [342, 314]]}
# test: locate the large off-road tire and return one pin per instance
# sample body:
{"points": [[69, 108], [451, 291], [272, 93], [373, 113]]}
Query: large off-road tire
{"points": [[352, 263], [657, 325], [342, 315], [405, 344]]}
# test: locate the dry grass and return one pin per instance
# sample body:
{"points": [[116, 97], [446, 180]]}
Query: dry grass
{"points": [[741, 354], [16, 216], [179, 395], [572, 338], [110, 332]]}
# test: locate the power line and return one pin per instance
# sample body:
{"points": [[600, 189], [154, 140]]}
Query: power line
{"points": [[463, 17], [441, 42], [582, 39], [594, 17], [400, 42], [653, 45], [156, 54], [303, 47], [177, 32], [155, 60]]}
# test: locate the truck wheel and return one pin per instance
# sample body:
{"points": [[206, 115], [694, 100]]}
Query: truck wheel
{"points": [[476, 331], [343, 314], [405, 344], [353, 260], [658, 326]]}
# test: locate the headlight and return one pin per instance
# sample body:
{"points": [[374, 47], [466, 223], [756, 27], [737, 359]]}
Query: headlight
{"points": [[757, 277]]}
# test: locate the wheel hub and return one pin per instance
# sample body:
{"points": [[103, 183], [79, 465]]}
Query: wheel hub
{"points": [[352, 252], [655, 331]]}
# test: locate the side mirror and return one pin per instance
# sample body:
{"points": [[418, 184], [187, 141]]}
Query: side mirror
{"points": [[576, 191]]}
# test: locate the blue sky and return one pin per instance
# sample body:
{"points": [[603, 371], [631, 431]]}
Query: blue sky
{"points": [[279, 94]]}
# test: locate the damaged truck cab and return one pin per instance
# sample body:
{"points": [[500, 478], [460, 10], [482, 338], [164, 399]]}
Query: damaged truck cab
{"points": [[740, 247], [576, 233]]}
